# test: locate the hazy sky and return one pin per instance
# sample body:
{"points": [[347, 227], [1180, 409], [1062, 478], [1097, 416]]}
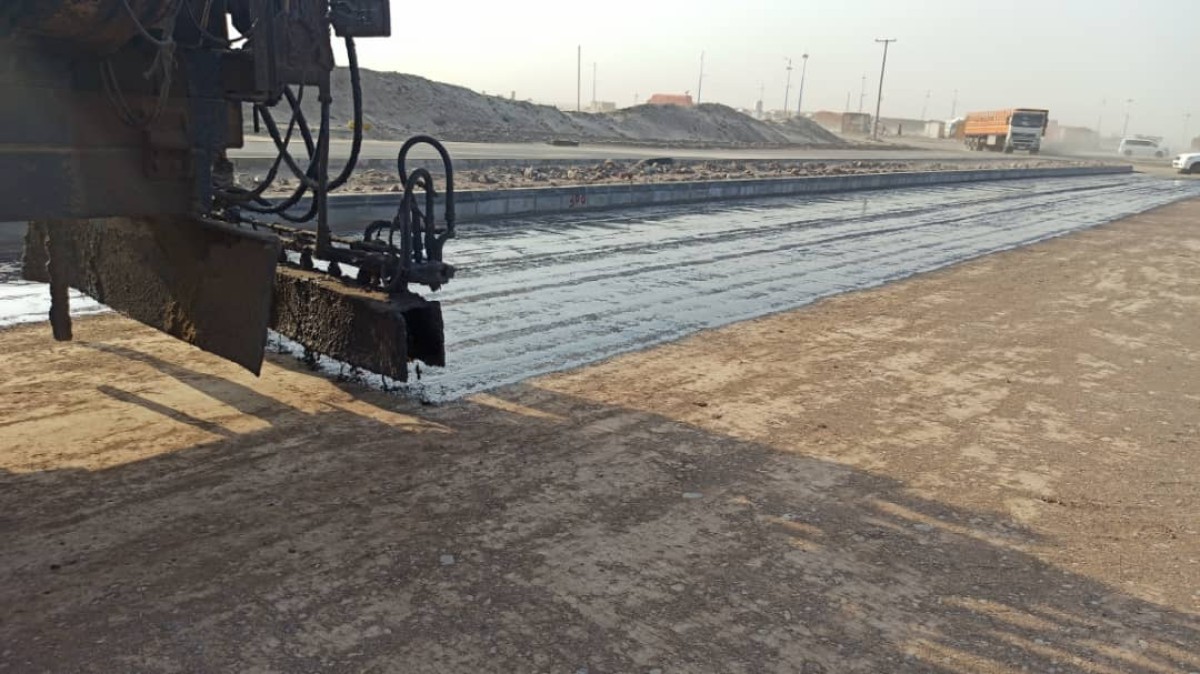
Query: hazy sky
{"points": [[1065, 55]]}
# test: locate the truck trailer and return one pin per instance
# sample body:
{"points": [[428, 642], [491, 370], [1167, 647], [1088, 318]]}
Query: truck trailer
{"points": [[1006, 130]]}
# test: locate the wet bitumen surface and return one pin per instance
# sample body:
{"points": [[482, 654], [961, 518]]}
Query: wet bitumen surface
{"points": [[543, 294], [553, 293]]}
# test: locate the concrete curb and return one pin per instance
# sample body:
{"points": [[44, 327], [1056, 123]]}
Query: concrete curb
{"points": [[475, 205]]}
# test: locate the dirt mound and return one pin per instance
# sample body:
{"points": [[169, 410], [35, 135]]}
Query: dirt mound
{"points": [[707, 122], [397, 105], [805, 131]]}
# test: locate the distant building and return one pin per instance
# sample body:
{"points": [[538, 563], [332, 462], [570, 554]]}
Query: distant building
{"points": [[895, 126], [856, 123], [682, 100], [602, 106]]}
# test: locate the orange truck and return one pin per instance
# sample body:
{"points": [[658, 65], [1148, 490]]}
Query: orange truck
{"points": [[1005, 130]]}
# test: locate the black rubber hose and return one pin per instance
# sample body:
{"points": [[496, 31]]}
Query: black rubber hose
{"points": [[306, 183], [273, 131], [305, 131], [356, 96], [298, 115], [245, 196], [448, 167], [321, 196], [410, 217]]}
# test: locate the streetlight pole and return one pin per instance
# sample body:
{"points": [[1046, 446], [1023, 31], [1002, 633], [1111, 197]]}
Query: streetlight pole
{"points": [[700, 84], [1125, 128], [862, 94], [803, 73], [787, 89], [879, 99], [954, 105]]}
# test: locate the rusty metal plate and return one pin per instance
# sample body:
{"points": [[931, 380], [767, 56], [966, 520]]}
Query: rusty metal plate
{"points": [[100, 25], [203, 282], [355, 326]]}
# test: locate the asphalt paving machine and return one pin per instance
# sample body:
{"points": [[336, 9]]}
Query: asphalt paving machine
{"points": [[116, 117]]}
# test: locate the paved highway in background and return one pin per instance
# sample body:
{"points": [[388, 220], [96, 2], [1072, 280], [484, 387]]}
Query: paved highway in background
{"points": [[915, 149], [264, 148]]}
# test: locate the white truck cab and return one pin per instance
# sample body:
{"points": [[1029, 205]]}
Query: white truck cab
{"points": [[1025, 131]]}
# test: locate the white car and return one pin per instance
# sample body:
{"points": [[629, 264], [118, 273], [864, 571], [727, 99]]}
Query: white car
{"points": [[1143, 147], [1187, 163]]}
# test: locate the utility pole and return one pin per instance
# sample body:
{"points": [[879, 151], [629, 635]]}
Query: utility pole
{"points": [[803, 73], [879, 99], [925, 110], [700, 84], [579, 79], [787, 89], [593, 86], [1125, 127], [862, 94], [954, 105]]}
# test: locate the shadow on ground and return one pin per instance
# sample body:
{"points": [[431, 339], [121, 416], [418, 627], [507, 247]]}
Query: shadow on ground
{"points": [[527, 531]]}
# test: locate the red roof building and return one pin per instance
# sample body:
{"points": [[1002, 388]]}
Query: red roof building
{"points": [[682, 100]]}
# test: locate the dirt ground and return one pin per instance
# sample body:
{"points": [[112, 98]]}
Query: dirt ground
{"points": [[986, 469]]}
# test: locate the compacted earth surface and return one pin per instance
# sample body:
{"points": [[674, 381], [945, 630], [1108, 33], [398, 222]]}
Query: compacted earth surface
{"points": [[989, 468]]}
